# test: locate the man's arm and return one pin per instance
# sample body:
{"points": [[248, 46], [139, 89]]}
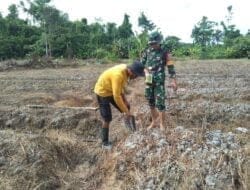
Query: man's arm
{"points": [[126, 101], [171, 71], [144, 61], [117, 87]]}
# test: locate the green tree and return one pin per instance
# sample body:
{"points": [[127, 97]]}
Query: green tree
{"points": [[122, 45], [49, 19], [57, 25], [37, 9], [16, 38], [203, 32], [230, 33], [97, 38], [241, 47], [111, 32], [125, 29], [171, 43], [217, 37], [77, 39], [13, 12], [145, 23]]}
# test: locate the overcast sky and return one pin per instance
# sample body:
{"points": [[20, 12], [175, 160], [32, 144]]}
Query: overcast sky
{"points": [[176, 17]]}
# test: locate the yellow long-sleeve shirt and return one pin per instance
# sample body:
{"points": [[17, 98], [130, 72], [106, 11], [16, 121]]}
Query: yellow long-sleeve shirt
{"points": [[112, 83]]}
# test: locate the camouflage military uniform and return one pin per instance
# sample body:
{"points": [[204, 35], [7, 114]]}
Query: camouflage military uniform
{"points": [[155, 60]]}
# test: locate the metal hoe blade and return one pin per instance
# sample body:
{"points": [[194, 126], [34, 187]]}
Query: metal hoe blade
{"points": [[130, 123]]}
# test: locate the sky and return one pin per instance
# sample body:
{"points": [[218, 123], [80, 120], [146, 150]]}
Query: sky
{"points": [[172, 18]]}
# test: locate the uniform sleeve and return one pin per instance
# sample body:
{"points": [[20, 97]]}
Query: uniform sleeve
{"points": [[170, 65], [117, 88]]}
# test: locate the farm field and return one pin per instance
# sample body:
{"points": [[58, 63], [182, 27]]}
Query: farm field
{"points": [[49, 141]]}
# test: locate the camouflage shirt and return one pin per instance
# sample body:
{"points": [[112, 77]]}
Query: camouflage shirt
{"points": [[156, 59]]}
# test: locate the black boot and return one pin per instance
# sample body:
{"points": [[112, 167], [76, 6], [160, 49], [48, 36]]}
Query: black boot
{"points": [[105, 139]]}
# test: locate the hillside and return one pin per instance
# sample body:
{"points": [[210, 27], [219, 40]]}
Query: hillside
{"points": [[48, 141]]}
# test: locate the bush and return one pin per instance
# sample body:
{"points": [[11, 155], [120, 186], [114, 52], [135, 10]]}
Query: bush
{"points": [[241, 47], [100, 53]]}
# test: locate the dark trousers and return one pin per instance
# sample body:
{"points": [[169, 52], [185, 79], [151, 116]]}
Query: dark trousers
{"points": [[105, 109]]}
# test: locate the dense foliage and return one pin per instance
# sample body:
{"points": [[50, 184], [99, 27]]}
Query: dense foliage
{"points": [[49, 32]]}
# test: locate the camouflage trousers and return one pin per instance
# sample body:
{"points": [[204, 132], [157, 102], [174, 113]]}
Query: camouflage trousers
{"points": [[155, 95]]}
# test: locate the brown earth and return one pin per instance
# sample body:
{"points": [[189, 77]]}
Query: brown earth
{"points": [[47, 141]]}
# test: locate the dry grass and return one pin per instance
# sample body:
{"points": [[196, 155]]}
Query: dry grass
{"points": [[64, 152]]}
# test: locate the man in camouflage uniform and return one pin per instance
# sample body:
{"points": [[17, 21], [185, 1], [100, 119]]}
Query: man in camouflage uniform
{"points": [[154, 59]]}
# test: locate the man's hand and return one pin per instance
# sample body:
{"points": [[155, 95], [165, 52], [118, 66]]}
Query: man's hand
{"points": [[146, 71], [127, 115], [173, 84]]}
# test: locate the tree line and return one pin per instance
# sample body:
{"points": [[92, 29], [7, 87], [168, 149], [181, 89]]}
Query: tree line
{"points": [[48, 32]]}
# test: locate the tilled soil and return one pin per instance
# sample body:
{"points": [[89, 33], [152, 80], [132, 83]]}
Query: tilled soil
{"points": [[49, 141]]}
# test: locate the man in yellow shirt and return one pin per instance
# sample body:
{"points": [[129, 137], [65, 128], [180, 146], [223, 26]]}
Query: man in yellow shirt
{"points": [[109, 89]]}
